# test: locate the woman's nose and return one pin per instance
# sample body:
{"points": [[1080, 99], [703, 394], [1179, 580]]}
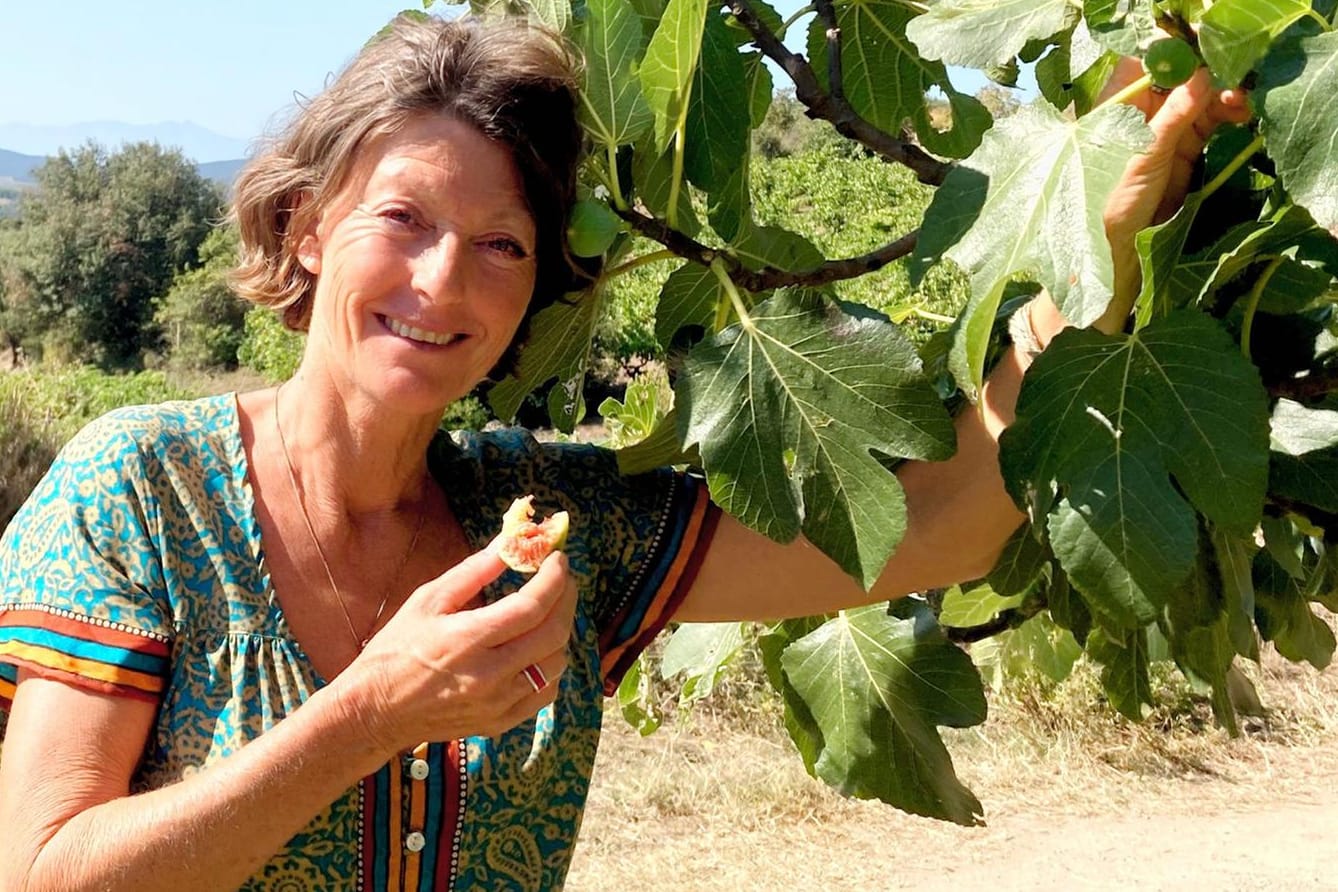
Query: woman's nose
{"points": [[440, 269]]}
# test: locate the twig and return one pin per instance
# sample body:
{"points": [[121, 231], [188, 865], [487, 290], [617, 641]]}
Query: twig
{"points": [[1318, 517], [837, 111], [835, 82], [1005, 620], [1308, 387], [767, 278]]}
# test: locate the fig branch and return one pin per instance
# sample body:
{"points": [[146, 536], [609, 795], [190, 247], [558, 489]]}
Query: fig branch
{"points": [[1308, 387], [1316, 517], [1005, 620], [769, 277], [837, 112], [835, 79]]}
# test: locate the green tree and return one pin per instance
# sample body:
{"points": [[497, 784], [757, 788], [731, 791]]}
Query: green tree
{"points": [[787, 130], [202, 321], [99, 240]]}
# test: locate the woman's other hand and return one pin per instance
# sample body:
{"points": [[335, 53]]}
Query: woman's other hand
{"points": [[1155, 183], [443, 668]]}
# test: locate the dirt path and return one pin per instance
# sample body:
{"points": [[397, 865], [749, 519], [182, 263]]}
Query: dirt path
{"points": [[1265, 818], [1290, 846]]}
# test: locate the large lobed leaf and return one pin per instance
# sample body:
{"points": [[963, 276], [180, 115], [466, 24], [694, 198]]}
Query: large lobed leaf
{"points": [[789, 408], [1297, 101], [719, 116], [1235, 34], [876, 683], [670, 63], [1049, 179], [613, 109], [1103, 423], [984, 33], [884, 78]]}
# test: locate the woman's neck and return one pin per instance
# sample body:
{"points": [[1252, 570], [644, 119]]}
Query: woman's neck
{"points": [[348, 454]]}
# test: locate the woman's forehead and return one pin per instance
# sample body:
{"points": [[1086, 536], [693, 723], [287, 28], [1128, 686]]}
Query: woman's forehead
{"points": [[439, 156]]}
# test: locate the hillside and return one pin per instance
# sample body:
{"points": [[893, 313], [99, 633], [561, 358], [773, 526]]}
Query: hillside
{"points": [[16, 169], [193, 140]]}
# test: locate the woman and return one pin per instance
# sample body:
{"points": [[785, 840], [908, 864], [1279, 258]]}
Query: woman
{"points": [[260, 641]]}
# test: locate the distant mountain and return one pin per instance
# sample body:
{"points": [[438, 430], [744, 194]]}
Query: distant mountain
{"points": [[221, 171], [194, 141], [17, 167]]}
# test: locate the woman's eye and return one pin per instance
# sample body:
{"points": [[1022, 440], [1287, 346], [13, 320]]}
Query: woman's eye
{"points": [[399, 216], [508, 246]]}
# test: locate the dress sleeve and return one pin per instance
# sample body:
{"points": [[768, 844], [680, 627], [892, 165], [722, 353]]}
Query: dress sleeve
{"points": [[652, 566], [635, 541], [82, 598]]}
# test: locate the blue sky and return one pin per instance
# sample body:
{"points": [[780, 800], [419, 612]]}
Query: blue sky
{"points": [[227, 65]]}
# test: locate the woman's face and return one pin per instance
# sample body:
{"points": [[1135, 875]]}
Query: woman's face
{"points": [[424, 265]]}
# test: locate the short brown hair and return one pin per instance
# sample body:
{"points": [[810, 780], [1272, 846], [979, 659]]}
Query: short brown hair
{"points": [[513, 81]]}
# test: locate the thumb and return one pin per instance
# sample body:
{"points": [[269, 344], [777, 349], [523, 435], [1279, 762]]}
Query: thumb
{"points": [[454, 589]]}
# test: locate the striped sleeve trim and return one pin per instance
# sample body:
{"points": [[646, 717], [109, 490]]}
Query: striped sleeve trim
{"points": [[9, 676], [672, 577], [96, 654]]}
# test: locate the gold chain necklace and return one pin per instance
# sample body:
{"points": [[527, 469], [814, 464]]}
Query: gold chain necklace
{"points": [[359, 641]]}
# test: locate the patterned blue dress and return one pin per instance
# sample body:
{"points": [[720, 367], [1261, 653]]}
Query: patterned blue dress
{"points": [[136, 568]]}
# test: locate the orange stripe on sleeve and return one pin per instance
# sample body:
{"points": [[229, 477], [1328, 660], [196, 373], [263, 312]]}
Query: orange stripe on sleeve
{"points": [[88, 629], [660, 606], [51, 659], [395, 838]]}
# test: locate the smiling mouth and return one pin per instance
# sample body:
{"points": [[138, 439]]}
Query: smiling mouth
{"points": [[418, 334]]}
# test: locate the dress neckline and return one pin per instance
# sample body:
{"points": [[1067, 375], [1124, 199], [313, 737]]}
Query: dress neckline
{"points": [[450, 466]]}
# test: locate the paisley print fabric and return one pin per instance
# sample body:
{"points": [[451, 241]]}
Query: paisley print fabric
{"points": [[136, 568]]}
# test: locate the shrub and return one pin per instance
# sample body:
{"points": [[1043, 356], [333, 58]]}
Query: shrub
{"points": [[41, 409], [268, 347], [202, 320]]}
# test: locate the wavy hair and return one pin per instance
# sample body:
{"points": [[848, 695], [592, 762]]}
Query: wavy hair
{"points": [[513, 81]]}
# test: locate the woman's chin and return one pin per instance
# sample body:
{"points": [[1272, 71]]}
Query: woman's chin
{"points": [[407, 394]]}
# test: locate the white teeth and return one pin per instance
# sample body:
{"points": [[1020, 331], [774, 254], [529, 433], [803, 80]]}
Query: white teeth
{"points": [[417, 334]]}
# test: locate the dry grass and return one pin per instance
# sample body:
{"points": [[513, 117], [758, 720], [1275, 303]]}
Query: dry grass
{"points": [[723, 796]]}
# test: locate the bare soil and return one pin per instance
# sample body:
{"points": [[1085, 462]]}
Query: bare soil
{"points": [[1072, 802]]}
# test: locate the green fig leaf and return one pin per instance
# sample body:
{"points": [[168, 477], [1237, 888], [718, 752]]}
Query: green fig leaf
{"points": [[1297, 99], [1050, 178], [670, 64], [1103, 423], [985, 33], [1235, 34], [613, 109], [876, 684], [788, 438]]}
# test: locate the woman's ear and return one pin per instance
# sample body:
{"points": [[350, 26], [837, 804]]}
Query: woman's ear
{"points": [[309, 252]]}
